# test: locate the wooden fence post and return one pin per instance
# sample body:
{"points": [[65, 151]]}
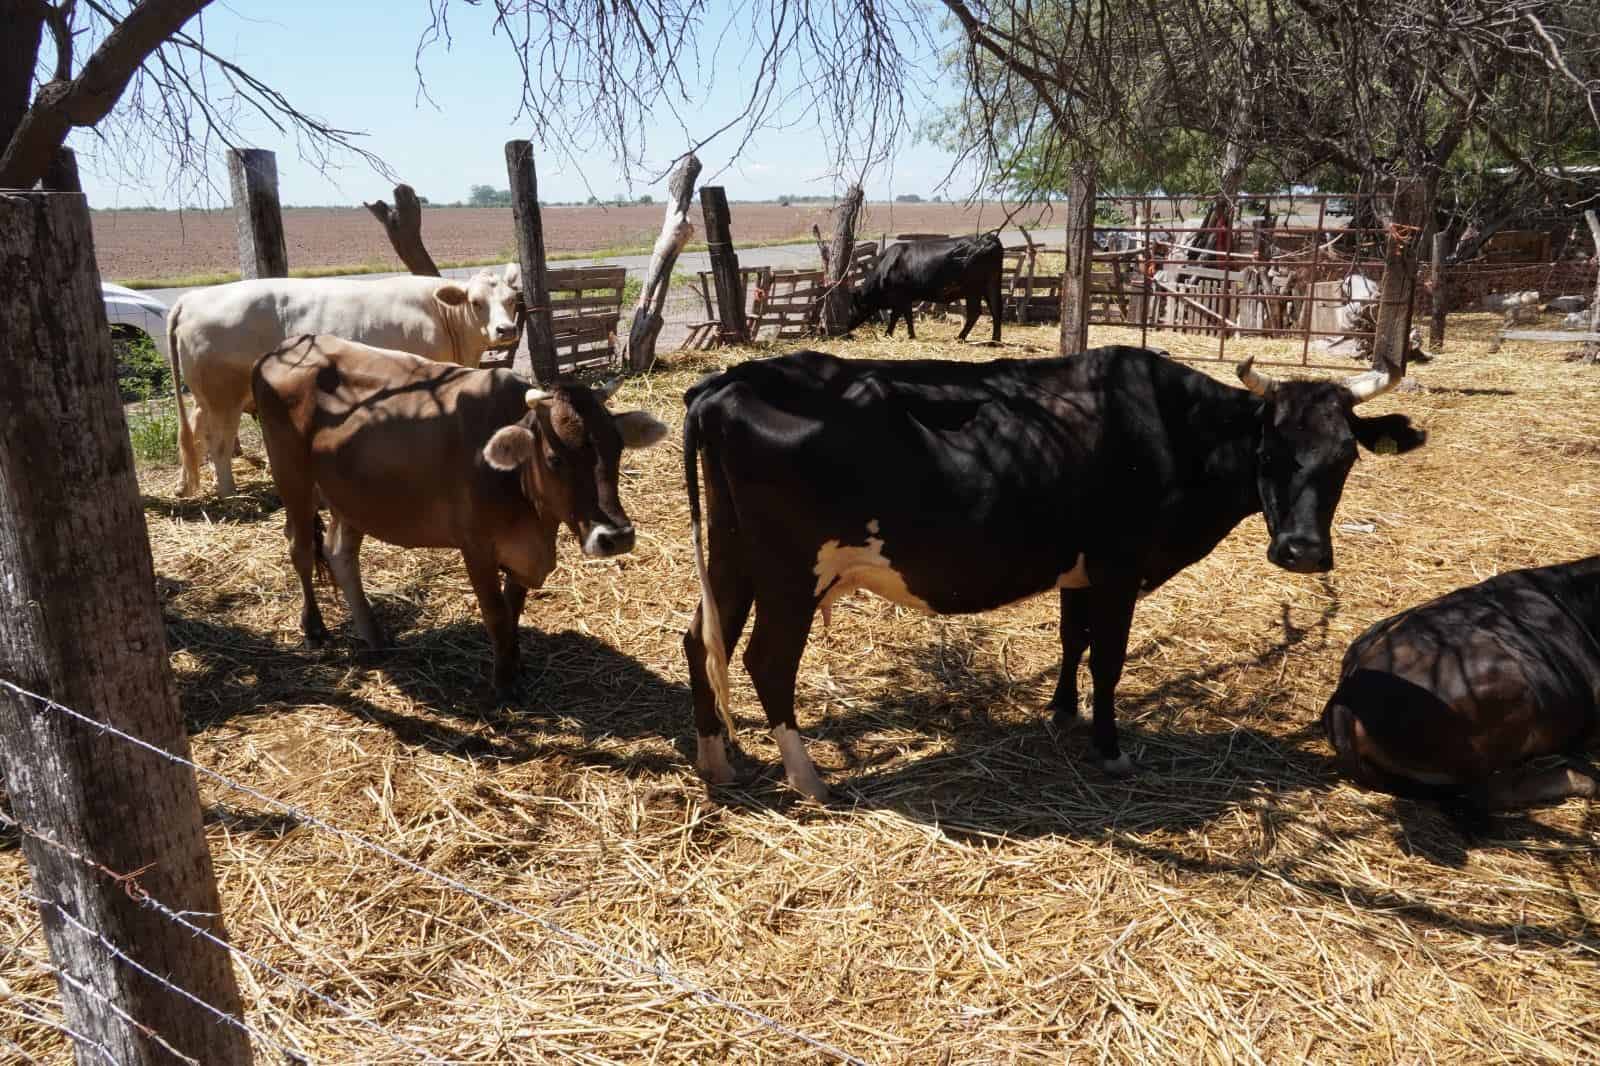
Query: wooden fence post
{"points": [[530, 253], [1080, 258], [676, 229], [403, 224], [80, 625], [1441, 298], [1392, 340], [62, 174], [836, 297], [253, 174], [724, 266]]}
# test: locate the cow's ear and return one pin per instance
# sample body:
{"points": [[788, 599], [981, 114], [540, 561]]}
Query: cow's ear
{"points": [[450, 294], [640, 429], [509, 448], [1387, 434]]}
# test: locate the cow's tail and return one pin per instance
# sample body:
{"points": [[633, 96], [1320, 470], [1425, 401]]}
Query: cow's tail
{"points": [[324, 572], [710, 620], [188, 453]]}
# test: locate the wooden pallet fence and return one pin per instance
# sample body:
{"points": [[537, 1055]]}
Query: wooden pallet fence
{"points": [[585, 307]]}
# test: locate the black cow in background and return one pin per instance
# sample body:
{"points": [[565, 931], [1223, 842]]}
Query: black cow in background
{"points": [[943, 271], [1447, 700]]}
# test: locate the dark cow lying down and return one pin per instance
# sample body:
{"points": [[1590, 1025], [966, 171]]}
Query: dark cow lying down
{"points": [[1447, 700], [432, 455], [945, 270], [960, 487]]}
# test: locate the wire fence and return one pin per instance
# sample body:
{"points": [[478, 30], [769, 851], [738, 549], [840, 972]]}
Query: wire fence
{"points": [[619, 961]]}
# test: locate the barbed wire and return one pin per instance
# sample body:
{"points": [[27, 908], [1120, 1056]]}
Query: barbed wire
{"points": [[71, 1034], [609, 955], [137, 892], [88, 990], [122, 956]]}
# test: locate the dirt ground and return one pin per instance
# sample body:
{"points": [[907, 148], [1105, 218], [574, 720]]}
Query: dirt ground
{"points": [[165, 244], [976, 892]]}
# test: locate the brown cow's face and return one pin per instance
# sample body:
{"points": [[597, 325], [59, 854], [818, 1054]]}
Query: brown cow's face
{"points": [[569, 450]]}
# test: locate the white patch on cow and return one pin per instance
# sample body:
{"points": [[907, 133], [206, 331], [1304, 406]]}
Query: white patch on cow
{"points": [[841, 568], [1077, 577], [797, 765], [711, 759], [1121, 766]]}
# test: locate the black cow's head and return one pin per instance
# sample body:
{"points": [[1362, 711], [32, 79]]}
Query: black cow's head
{"points": [[1309, 434]]}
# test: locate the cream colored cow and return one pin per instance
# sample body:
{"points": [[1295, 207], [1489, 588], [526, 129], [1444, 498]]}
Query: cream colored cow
{"points": [[215, 335]]}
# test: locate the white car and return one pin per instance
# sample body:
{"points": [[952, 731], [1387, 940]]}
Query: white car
{"points": [[125, 307]]}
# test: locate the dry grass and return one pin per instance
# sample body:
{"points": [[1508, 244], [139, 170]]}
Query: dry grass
{"points": [[976, 894]]}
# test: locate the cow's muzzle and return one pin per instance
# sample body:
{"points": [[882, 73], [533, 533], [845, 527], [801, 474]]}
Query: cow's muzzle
{"points": [[1301, 555], [604, 540], [505, 331]]}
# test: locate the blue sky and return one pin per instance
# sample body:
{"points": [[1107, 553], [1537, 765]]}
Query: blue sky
{"points": [[353, 64]]}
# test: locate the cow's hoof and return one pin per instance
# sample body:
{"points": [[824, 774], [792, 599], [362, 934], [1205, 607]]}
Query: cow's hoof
{"points": [[1121, 766], [811, 787], [711, 760], [316, 641], [1064, 715]]}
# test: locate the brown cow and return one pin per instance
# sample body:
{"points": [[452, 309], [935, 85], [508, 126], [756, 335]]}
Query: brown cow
{"points": [[431, 455]]}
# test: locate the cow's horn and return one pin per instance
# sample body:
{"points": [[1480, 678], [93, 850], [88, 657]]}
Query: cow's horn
{"points": [[606, 389], [533, 396], [1371, 383], [1254, 380]]}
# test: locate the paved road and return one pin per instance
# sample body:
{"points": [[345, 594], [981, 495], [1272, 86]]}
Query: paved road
{"points": [[791, 256]]}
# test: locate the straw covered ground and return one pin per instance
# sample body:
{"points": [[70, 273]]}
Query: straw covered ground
{"points": [[975, 893]]}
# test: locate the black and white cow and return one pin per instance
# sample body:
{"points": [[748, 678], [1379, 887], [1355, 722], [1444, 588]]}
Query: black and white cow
{"points": [[959, 487], [1447, 700], [943, 270]]}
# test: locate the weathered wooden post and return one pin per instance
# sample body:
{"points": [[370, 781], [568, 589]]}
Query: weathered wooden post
{"points": [[1590, 352], [253, 174], [639, 350], [1080, 258], [836, 295], [530, 253], [403, 224], [80, 625], [62, 175], [724, 266], [1441, 299], [1392, 340]]}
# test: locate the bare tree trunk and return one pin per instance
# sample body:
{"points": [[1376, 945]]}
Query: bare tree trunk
{"points": [[253, 173], [724, 266], [1080, 259], [1590, 353], [1391, 342], [24, 23], [836, 295], [80, 624], [403, 224], [639, 350], [530, 253], [1441, 298], [63, 173]]}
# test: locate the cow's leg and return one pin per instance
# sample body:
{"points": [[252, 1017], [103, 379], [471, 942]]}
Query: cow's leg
{"points": [[220, 437], [894, 313], [1074, 642], [783, 622], [484, 573], [911, 329], [1110, 617], [1513, 791], [344, 559], [973, 306], [190, 443]]}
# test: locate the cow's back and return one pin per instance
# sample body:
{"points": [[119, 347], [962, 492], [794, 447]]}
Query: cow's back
{"points": [[235, 324]]}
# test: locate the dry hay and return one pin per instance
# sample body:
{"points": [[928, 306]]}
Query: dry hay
{"points": [[976, 894]]}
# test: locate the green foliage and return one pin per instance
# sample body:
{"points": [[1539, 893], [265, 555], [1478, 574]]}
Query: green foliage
{"points": [[142, 371], [153, 431], [489, 196]]}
